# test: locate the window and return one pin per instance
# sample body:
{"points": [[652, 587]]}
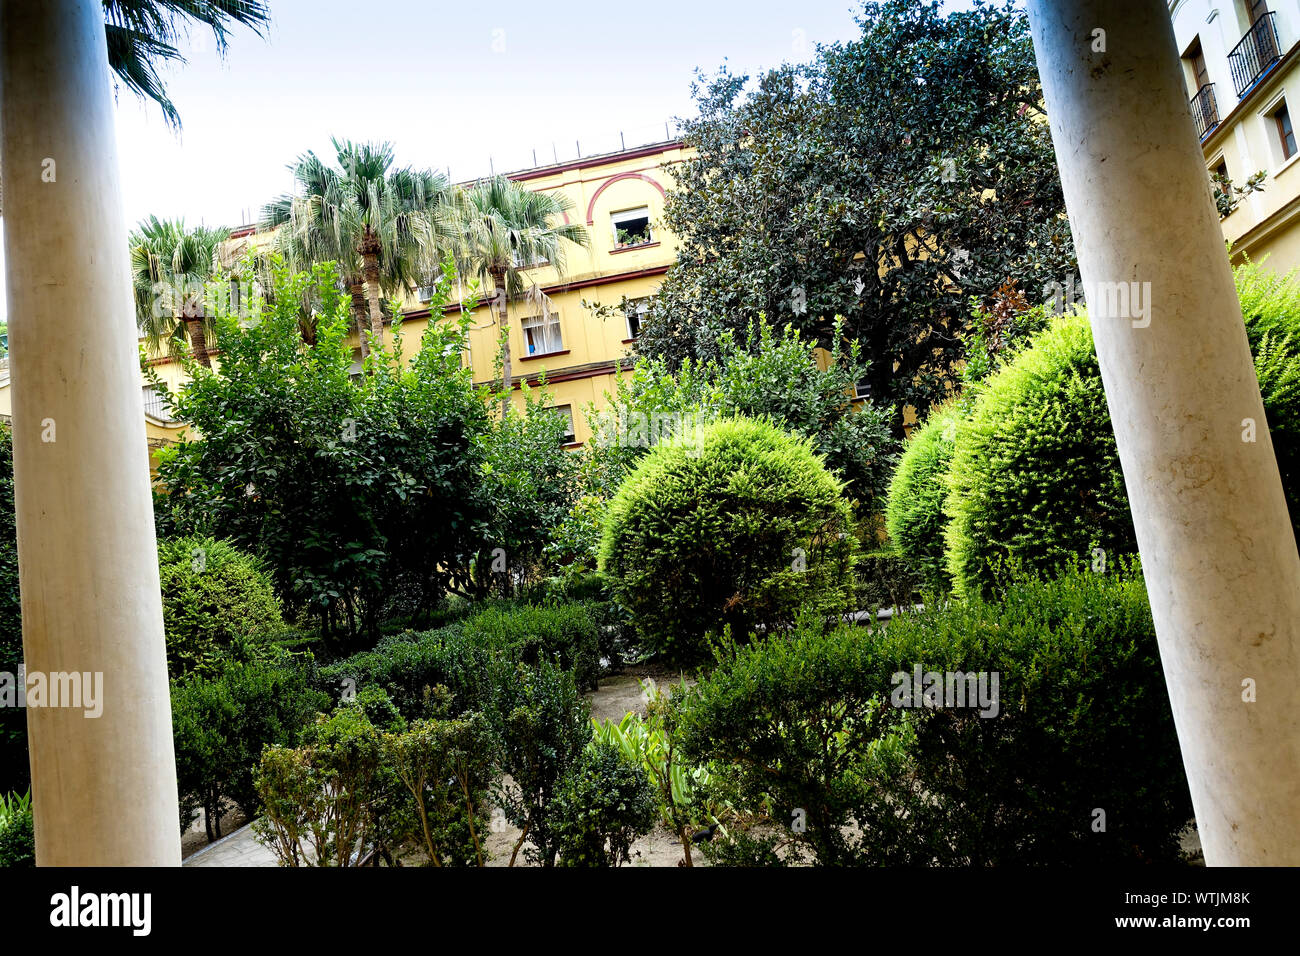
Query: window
{"points": [[862, 389], [357, 369], [542, 334], [565, 412], [631, 227], [425, 293], [1285, 134], [636, 313]]}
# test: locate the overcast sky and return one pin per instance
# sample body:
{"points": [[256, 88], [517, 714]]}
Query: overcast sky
{"points": [[465, 86]]}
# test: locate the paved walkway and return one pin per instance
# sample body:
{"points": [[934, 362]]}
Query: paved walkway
{"points": [[237, 849]]}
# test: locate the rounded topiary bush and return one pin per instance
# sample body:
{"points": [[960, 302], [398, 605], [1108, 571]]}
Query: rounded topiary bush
{"points": [[216, 599], [739, 524], [1035, 479], [914, 514]]}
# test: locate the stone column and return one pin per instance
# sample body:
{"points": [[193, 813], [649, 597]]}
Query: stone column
{"points": [[1217, 547], [104, 787]]}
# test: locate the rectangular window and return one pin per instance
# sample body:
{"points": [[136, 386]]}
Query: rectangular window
{"points": [[542, 334], [566, 412], [862, 389], [1285, 134], [631, 227], [636, 313]]}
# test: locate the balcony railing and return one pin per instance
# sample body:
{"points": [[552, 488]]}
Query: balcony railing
{"points": [[1205, 111], [1258, 50]]}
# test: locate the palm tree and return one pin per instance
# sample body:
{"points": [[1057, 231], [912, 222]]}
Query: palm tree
{"points": [[508, 229], [384, 226], [169, 267], [142, 34]]}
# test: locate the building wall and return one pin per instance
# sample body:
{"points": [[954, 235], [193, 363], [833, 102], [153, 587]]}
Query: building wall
{"points": [[1246, 138]]}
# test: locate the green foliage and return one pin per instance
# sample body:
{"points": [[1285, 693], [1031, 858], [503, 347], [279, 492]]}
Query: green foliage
{"points": [[542, 726], [220, 724], [680, 789], [433, 674], [565, 633], [887, 579], [1084, 723], [914, 515], [531, 483], [1035, 479], [346, 489], [446, 768], [216, 601], [817, 723], [774, 374], [603, 805], [14, 766], [322, 801], [17, 836], [738, 525], [792, 728], [886, 182]]}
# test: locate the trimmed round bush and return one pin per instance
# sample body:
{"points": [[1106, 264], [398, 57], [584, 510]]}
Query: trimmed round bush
{"points": [[1035, 481], [914, 514], [739, 524], [216, 600]]}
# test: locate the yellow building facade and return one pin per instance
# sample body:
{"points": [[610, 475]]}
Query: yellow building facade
{"points": [[1241, 65]]}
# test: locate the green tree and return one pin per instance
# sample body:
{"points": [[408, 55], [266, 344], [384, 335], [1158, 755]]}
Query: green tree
{"points": [[886, 182], [386, 227], [346, 490], [170, 266], [509, 229]]}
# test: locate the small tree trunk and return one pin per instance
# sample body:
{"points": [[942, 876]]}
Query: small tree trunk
{"points": [[360, 313], [370, 268], [503, 321], [198, 341]]}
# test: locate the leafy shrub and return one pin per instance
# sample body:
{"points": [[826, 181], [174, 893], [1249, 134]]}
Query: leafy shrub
{"points": [[1083, 722], [541, 726], [322, 801], [445, 767], [563, 632], [739, 526], [792, 728], [215, 599], [680, 789], [220, 725], [17, 835], [1035, 479], [603, 805], [412, 667], [914, 514], [886, 579]]}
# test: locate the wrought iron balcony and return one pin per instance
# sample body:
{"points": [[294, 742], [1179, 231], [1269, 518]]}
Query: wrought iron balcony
{"points": [[1205, 110], [1258, 50]]}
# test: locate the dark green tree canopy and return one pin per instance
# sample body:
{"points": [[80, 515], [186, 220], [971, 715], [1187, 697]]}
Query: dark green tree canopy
{"points": [[887, 181]]}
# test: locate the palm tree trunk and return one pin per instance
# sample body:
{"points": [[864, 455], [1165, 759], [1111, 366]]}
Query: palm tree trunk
{"points": [[370, 267], [503, 320], [198, 341], [360, 314]]}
